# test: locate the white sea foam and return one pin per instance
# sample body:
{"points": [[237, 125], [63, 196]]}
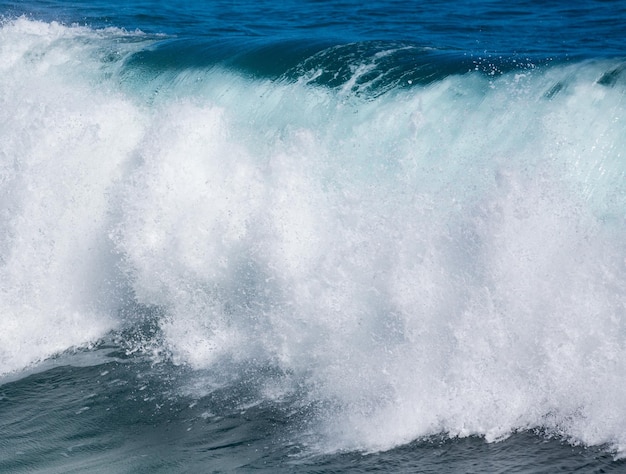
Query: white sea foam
{"points": [[446, 258], [63, 145]]}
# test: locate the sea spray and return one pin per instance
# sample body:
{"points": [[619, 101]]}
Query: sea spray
{"points": [[65, 138], [441, 257]]}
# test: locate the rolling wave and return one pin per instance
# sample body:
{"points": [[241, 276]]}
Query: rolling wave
{"points": [[417, 250]]}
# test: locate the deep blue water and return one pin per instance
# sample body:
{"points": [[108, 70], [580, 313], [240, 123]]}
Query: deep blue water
{"points": [[548, 29], [312, 236]]}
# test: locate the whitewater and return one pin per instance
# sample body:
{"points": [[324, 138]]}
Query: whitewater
{"points": [[391, 253]]}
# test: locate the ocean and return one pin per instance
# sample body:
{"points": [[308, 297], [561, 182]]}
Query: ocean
{"points": [[312, 236]]}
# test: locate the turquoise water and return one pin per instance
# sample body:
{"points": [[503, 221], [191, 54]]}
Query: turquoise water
{"points": [[312, 237]]}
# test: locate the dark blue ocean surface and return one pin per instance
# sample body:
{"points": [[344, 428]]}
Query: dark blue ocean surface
{"points": [[555, 28], [312, 236]]}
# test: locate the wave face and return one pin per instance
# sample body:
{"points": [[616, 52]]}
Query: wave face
{"points": [[412, 254]]}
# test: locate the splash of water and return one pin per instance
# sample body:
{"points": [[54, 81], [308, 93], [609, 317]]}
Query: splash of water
{"points": [[442, 258]]}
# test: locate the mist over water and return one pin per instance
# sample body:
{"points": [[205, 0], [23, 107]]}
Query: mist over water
{"points": [[444, 256]]}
